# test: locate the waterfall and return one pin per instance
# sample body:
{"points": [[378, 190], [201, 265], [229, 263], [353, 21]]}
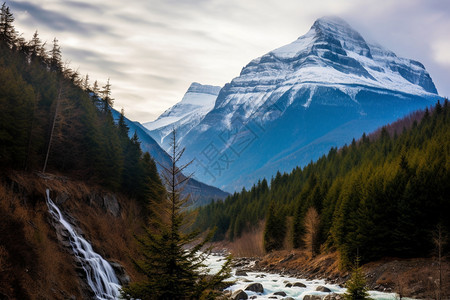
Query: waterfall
{"points": [[99, 273]]}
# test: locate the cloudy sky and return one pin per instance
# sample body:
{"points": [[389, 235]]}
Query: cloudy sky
{"points": [[153, 49]]}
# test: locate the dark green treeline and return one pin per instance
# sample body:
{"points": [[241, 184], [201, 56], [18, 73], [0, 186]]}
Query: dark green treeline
{"points": [[43, 100], [382, 195]]}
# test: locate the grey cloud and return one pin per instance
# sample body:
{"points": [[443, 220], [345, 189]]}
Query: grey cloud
{"points": [[132, 19], [97, 60], [159, 46], [57, 20], [84, 6]]}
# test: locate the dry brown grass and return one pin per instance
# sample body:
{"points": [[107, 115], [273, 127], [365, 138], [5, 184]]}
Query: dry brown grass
{"points": [[37, 266], [250, 244], [301, 263]]}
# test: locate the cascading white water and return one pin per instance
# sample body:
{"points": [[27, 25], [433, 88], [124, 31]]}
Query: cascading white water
{"points": [[99, 273]]}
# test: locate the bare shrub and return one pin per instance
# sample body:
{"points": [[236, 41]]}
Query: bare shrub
{"points": [[250, 244]]}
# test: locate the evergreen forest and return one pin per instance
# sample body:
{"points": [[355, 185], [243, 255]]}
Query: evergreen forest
{"points": [[53, 120], [381, 196]]}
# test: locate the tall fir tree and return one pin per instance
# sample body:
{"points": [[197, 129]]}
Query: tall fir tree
{"points": [[106, 97], [173, 260], [55, 57], [275, 229], [7, 31]]}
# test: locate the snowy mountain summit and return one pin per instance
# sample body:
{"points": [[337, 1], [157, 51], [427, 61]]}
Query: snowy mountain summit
{"points": [[291, 105], [196, 103], [331, 54]]}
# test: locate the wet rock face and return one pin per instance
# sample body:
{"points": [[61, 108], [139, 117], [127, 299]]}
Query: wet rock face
{"points": [[121, 274], [111, 205], [239, 295], [255, 287], [108, 203], [62, 198]]}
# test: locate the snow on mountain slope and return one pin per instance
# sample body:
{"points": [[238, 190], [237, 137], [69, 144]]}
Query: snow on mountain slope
{"points": [[196, 103], [330, 54], [291, 105]]}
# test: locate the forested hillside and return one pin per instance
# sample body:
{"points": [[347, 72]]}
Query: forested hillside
{"points": [[53, 120], [57, 132], [383, 195]]}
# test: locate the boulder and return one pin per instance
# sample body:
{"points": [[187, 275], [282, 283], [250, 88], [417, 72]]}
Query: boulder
{"points": [[288, 298], [299, 284], [240, 273], [281, 293], [321, 288], [288, 285], [239, 295], [334, 296], [312, 297], [255, 287]]}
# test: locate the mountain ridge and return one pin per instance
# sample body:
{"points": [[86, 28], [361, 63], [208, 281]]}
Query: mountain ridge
{"points": [[297, 94]]}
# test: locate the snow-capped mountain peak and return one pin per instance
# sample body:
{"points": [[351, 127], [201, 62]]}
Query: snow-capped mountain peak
{"points": [[196, 103], [330, 53], [293, 103]]}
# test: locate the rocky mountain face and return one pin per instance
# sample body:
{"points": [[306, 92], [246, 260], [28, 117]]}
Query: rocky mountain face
{"points": [[185, 115], [293, 104], [200, 193]]}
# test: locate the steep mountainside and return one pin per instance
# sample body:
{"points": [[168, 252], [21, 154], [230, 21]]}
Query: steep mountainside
{"points": [[196, 103], [200, 193], [291, 105]]}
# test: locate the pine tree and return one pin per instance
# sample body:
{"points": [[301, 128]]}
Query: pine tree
{"points": [[7, 32], [55, 57], [356, 285], [123, 127], [35, 45], [173, 260], [275, 230], [85, 83], [95, 89], [106, 97]]}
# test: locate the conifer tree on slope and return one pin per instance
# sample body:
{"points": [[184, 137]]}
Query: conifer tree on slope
{"points": [[172, 260], [356, 285], [7, 31], [107, 101]]}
